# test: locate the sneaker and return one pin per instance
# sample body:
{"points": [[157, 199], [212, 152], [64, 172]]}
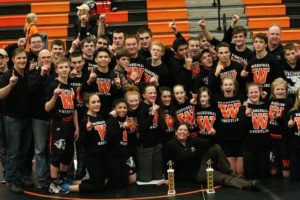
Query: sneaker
{"points": [[255, 185], [3, 182], [56, 189], [42, 184], [15, 188], [114, 9]]}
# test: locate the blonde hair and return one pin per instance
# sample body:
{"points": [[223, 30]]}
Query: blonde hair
{"points": [[275, 83], [131, 90], [29, 20], [158, 43], [297, 101]]}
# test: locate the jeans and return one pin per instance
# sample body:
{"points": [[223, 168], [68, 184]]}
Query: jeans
{"points": [[40, 129], [18, 140], [2, 144]]}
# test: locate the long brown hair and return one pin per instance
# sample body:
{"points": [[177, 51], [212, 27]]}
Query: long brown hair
{"points": [[297, 101]]}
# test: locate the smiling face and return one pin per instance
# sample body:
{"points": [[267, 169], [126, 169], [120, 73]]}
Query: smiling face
{"points": [[102, 59], [133, 101], [94, 104], [182, 133], [131, 44], [121, 109], [204, 99], [206, 60], [280, 91], [166, 98], [179, 93], [150, 95], [274, 35], [194, 47], [20, 60], [239, 39], [63, 69], [254, 94]]}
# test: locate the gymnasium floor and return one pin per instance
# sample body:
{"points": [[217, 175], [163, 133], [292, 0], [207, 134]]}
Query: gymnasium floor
{"points": [[274, 189]]}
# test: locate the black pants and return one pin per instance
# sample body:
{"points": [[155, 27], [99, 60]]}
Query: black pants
{"points": [[280, 154], [96, 166], [2, 144], [295, 167], [118, 171], [256, 163]]}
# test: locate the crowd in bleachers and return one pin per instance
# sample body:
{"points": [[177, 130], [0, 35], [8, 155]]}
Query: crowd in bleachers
{"points": [[127, 105]]}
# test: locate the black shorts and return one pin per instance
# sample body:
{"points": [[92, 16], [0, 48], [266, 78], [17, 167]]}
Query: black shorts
{"points": [[61, 142], [232, 148]]}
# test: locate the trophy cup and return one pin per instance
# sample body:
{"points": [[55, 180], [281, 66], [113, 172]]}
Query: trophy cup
{"points": [[171, 178], [210, 177]]}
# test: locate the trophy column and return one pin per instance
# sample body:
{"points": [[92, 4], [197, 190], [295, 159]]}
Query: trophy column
{"points": [[171, 178], [210, 177]]}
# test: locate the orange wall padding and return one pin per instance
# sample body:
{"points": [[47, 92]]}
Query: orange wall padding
{"points": [[267, 10], [50, 7], [166, 4]]}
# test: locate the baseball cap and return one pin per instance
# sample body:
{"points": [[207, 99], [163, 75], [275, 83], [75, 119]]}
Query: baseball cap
{"points": [[83, 7], [3, 52]]}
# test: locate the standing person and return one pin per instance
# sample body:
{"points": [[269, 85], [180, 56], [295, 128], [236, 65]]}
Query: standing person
{"points": [[15, 96], [149, 158], [184, 110], [144, 35], [60, 103], [3, 69], [206, 116], [58, 49], [76, 79], [274, 42], [294, 139], [227, 135], [30, 27], [263, 68], [94, 139], [123, 59], [41, 77], [166, 117], [254, 121], [156, 71], [279, 102], [122, 167], [291, 69]]}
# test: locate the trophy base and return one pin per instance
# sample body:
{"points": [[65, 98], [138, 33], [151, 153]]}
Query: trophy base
{"points": [[171, 192], [210, 191]]}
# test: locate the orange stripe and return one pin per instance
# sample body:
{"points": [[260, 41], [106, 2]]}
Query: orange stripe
{"points": [[12, 20], [265, 10], [55, 31], [166, 4], [169, 14], [50, 7], [286, 35], [137, 198], [53, 19], [168, 39], [248, 2], [4, 44], [266, 22], [121, 16], [162, 27], [21, 1]]}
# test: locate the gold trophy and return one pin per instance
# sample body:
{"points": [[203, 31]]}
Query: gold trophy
{"points": [[210, 177], [171, 178]]}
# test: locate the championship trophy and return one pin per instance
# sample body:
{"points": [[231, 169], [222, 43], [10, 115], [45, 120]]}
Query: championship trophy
{"points": [[171, 178], [210, 177]]}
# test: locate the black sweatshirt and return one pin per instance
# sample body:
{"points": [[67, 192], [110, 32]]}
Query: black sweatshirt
{"points": [[186, 113], [294, 132], [161, 72], [227, 116], [277, 126], [148, 126], [264, 71], [94, 141], [186, 159], [292, 76], [256, 127], [117, 138], [135, 70]]}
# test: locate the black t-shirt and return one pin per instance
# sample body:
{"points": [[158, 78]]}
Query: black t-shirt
{"points": [[206, 120], [292, 76], [135, 70], [65, 104], [278, 52], [17, 103], [239, 56], [89, 65], [77, 83], [161, 72]]}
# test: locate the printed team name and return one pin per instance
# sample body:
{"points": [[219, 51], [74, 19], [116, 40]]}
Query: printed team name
{"points": [[205, 123], [148, 75], [297, 120], [260, 73], [260, 119], [231, 73], [195, 69], [104, 86], [229, 111], [135, 72], [275, 106], [237, 58], [67, 100], [169, 122]]}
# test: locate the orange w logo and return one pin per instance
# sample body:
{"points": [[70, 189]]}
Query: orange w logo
{"points": [[187, 116], [229, 110], [206, 122], [101, 129], [260, 75], [260, 120], [169, 121], [104, 86], [67, 100]]}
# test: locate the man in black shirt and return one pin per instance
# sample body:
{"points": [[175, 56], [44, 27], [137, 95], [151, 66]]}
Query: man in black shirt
{"points": [[274, 42], [16, 100]]}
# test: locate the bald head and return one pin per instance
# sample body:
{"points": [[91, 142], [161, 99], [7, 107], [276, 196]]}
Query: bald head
{"points": [[45, 58], [274, 36]]}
